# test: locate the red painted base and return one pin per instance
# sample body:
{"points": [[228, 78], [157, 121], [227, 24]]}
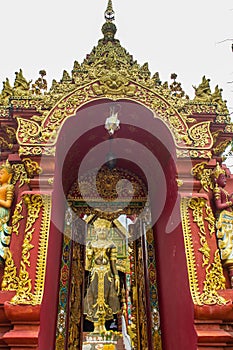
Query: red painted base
{"points": [[25, 321]]}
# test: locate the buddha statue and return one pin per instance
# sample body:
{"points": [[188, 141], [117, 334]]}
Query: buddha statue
{"points": [[101, 301]]}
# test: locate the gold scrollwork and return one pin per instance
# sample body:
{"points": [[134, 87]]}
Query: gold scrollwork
{"points": [[24, 293], [214, 281], [194, 154], [10, 132], [20, 175], [204, 175], [201, 135], [214, 278], [48, 132], [17, 216], [23, 286], [220, 148], [5, 144], [10, 279], [44, 136], [114, 84], [32, 167], [210, 219], [179, 182], [34, 204], [229, 128], [36, 151], [28, 131], [197, 205]]}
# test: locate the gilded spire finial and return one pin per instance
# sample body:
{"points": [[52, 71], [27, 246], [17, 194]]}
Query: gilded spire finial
{"points": [[109, 28], [109, 13]]}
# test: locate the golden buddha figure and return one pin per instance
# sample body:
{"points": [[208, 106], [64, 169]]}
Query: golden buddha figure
{"points": [[6, 198], [101, 301]]}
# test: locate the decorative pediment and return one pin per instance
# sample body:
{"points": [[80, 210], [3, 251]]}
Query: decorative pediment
{"points": [[110, 72]]}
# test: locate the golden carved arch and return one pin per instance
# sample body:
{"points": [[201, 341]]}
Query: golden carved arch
{"points": [[40, 138]]}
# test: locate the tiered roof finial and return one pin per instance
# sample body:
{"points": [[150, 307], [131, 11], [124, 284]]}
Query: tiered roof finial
{"points": [[109, 28], [109, 13]]}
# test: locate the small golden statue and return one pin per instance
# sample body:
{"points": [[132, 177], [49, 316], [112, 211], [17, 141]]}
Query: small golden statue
{"points": [[101, 300], [224, 224], [6, 198], [218, 99], [203, 92], [21, 85], [7, 92]]}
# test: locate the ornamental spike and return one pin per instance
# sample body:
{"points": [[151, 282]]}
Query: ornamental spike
{"points": [[109, 13]]}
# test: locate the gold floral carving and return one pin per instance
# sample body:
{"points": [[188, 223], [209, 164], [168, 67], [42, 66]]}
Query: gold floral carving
{"points": [[179, 182], [10, 279], [17, 216], [223, 119], [192, 107], [24, 294], [32, 102], [5, 144], [210, 218], [4, 111], [24, 287], [31, 133], [114, 84], [214, 281], [33, 204], [32, 167], [220, 148], [194, 154], [229, 128], [214, 278], [109, 193], [36, 151], [20, 175], [28, 131], [51, 181], [202, 173], [201, 136], [197, 205], [10, 132]]}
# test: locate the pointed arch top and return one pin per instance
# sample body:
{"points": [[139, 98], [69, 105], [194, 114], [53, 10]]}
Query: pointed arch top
{"points": [[114, 86]]}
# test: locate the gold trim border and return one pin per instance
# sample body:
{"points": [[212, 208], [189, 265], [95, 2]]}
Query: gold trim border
{"points": [[43, 248], [189, 250]]}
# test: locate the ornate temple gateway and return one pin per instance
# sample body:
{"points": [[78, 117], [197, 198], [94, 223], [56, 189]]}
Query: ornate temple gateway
{"points": [[116, 211]]}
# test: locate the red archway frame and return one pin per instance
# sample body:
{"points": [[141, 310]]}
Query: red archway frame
{"points": [[137, 124]]}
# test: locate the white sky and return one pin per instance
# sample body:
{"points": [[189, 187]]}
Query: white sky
{"points": [[172, 36]]}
